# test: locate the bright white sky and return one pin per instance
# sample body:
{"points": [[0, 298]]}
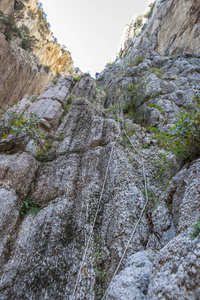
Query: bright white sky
{"points": [[91, 29]]}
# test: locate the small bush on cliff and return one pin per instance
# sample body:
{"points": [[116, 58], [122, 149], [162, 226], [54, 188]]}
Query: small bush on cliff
{"points": [[31, 14], [14, 125], [28, 41], [47, 69], [134, 95], [149, 14], [77, 79], [19, 5], [196, 230], [29, 206], [10, 28], [138, 60], [138, 24], [70, 100], [10, 31], [157, 72], [184, 137]]}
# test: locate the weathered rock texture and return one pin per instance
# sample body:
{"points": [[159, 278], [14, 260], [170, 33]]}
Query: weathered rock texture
{"points": [[23, 72], [68, 189], [7, 6], [49, 52], [20, 74], [88, 190], [41, 255], [174, 27], [170, 82]]}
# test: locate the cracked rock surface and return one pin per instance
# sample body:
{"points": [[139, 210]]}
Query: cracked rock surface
{"points": [[77, 203]]}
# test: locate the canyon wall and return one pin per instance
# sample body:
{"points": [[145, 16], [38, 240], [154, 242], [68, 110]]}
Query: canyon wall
{"points": [[20, 73], [29, 57], [49, 52], [100, 179], [172, 27], [7, 6]]}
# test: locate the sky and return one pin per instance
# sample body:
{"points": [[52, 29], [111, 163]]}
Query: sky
{"points": [[91, 29]]}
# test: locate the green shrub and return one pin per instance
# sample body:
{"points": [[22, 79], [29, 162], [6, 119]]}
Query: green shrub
{"points": [[69, 100], [66, 108], [153, 129], [110, 65], [61, 137], [31, 14], [12, 123], [28, 41], [157, 72], [54, 80], [196, 230], [33, 98], [49, 143], [24, 29], [137, 25], [46, 69], [138, 60], [184, 137], [10, 28], [58, 75], [19, 5], [77, 79], [149, 14], [157, 107], [40, 14], [85, 75], [134, 95], [29, 206], [164, 170]]}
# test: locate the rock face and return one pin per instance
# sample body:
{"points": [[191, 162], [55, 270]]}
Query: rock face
{"points": [[49, 52], [90, 194], [68, 185], [169, 82], [173, 28], [7, 6], [86, 189], [24, 72], [176, 270], [19, 73]]}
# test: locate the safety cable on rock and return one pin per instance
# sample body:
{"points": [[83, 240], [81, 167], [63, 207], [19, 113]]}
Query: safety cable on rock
{"points": [[96, 214], [97, 211], [140, 217]]}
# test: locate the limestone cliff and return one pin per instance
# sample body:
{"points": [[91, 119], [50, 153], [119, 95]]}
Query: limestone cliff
{"points": [[28, 51], [21, 73], [7, 6], [100, 184], [49, 52], [171, 27]]}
